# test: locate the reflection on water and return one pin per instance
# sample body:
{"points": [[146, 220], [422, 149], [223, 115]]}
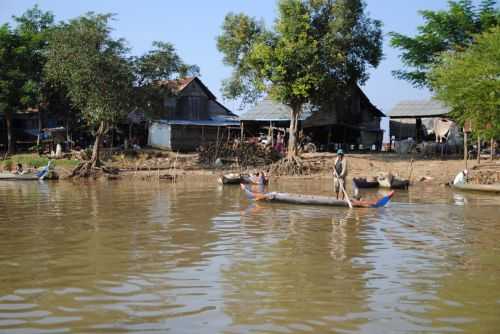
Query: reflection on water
{"points": [[195, 257]]}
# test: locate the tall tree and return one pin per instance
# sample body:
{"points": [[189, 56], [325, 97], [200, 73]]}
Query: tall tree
{"points": [[12, 78], [469, 83], [159, 64], [21, 63], [316, 48], [453, 29], [93, 67], [33, 27]]}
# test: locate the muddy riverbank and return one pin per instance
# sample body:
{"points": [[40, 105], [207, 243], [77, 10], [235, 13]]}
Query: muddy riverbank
{"points": [[153, 163]]}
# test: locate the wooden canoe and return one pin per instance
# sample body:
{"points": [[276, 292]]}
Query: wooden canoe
{"points": [[314, 199], [393, 183], [492, 188], [234, 178], [362, 182], [18, 177]]}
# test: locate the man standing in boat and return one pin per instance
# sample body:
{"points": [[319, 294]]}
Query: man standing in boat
{"points": [[339, 173]]}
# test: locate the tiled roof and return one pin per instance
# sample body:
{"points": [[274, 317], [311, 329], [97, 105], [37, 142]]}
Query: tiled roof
{"points": [[177, 85], [418, 108]]}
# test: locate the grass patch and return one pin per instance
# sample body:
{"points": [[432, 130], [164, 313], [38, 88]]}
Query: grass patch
{"points": [[35, 161]]}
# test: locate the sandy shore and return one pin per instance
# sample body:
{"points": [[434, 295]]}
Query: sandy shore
{"points": [[432, 171]]}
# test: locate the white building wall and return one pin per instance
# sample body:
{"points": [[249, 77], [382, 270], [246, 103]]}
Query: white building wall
{"points": [[159, 136]]}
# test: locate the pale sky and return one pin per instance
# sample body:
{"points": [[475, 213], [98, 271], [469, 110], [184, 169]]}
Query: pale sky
{"points": [[192, 26]]}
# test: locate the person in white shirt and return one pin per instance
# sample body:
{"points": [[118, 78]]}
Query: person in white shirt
{"points": [[461, 177]]}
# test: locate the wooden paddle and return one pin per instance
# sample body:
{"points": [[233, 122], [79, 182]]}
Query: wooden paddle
{"points": [[341, 184]]}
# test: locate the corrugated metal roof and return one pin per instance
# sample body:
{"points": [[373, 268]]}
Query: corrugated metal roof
{"points": [[418, 108], [200, 123], [269, 110]]}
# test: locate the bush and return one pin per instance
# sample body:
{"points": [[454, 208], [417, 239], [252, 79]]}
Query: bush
{"points": [[7, 165]]}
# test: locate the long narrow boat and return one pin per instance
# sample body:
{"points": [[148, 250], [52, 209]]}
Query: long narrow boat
{"points": [[40, 175], [363, 182], [314, 199], [394, 183], [18, 177], [234, 178], [492, 188]]}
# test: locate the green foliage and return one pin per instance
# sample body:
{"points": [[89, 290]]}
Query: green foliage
{"points": [[469, 83], [34, 27], [161, 63], [12, 74], [7, 165], [445, 30], [92, 67], [35, 161], [315, 48], [22, 57]]}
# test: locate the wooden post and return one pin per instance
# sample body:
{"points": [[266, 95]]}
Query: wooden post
{"points": [[272, 135], [478, 149], [329, 138], [418, 130], [465, 149], [492, 149]]}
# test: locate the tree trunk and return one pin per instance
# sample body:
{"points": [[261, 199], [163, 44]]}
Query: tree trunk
{"points": [[11, 147], [478, 149], [40, 126], [465, 149], [94, 161], [292, 140], [492, 149]]}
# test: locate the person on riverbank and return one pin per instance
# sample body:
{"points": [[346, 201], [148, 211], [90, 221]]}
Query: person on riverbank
{"points": [[259, 178], [339, 173], [461, 177], [19, 169]]}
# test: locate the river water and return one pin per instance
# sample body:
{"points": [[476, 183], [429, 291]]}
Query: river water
{"points": [[196, 257]]}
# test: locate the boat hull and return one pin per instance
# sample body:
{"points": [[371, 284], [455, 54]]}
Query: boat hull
{"points": [[363, 183], [305, 199], [314, 199], [17, 177], [238, 179], [491, 188]]}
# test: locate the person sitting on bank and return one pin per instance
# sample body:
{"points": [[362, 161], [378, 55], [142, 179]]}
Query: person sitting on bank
{"points": [[339, 173], [258, 178], [19, 169]]}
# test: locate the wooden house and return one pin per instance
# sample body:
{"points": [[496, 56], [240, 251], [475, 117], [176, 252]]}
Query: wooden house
{"points": [[415, 119], [349, 121], [192, 116], [30, 127]]}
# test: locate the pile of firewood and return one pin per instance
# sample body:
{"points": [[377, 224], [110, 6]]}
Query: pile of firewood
{"points": [[486, 176], [242, 154]]}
